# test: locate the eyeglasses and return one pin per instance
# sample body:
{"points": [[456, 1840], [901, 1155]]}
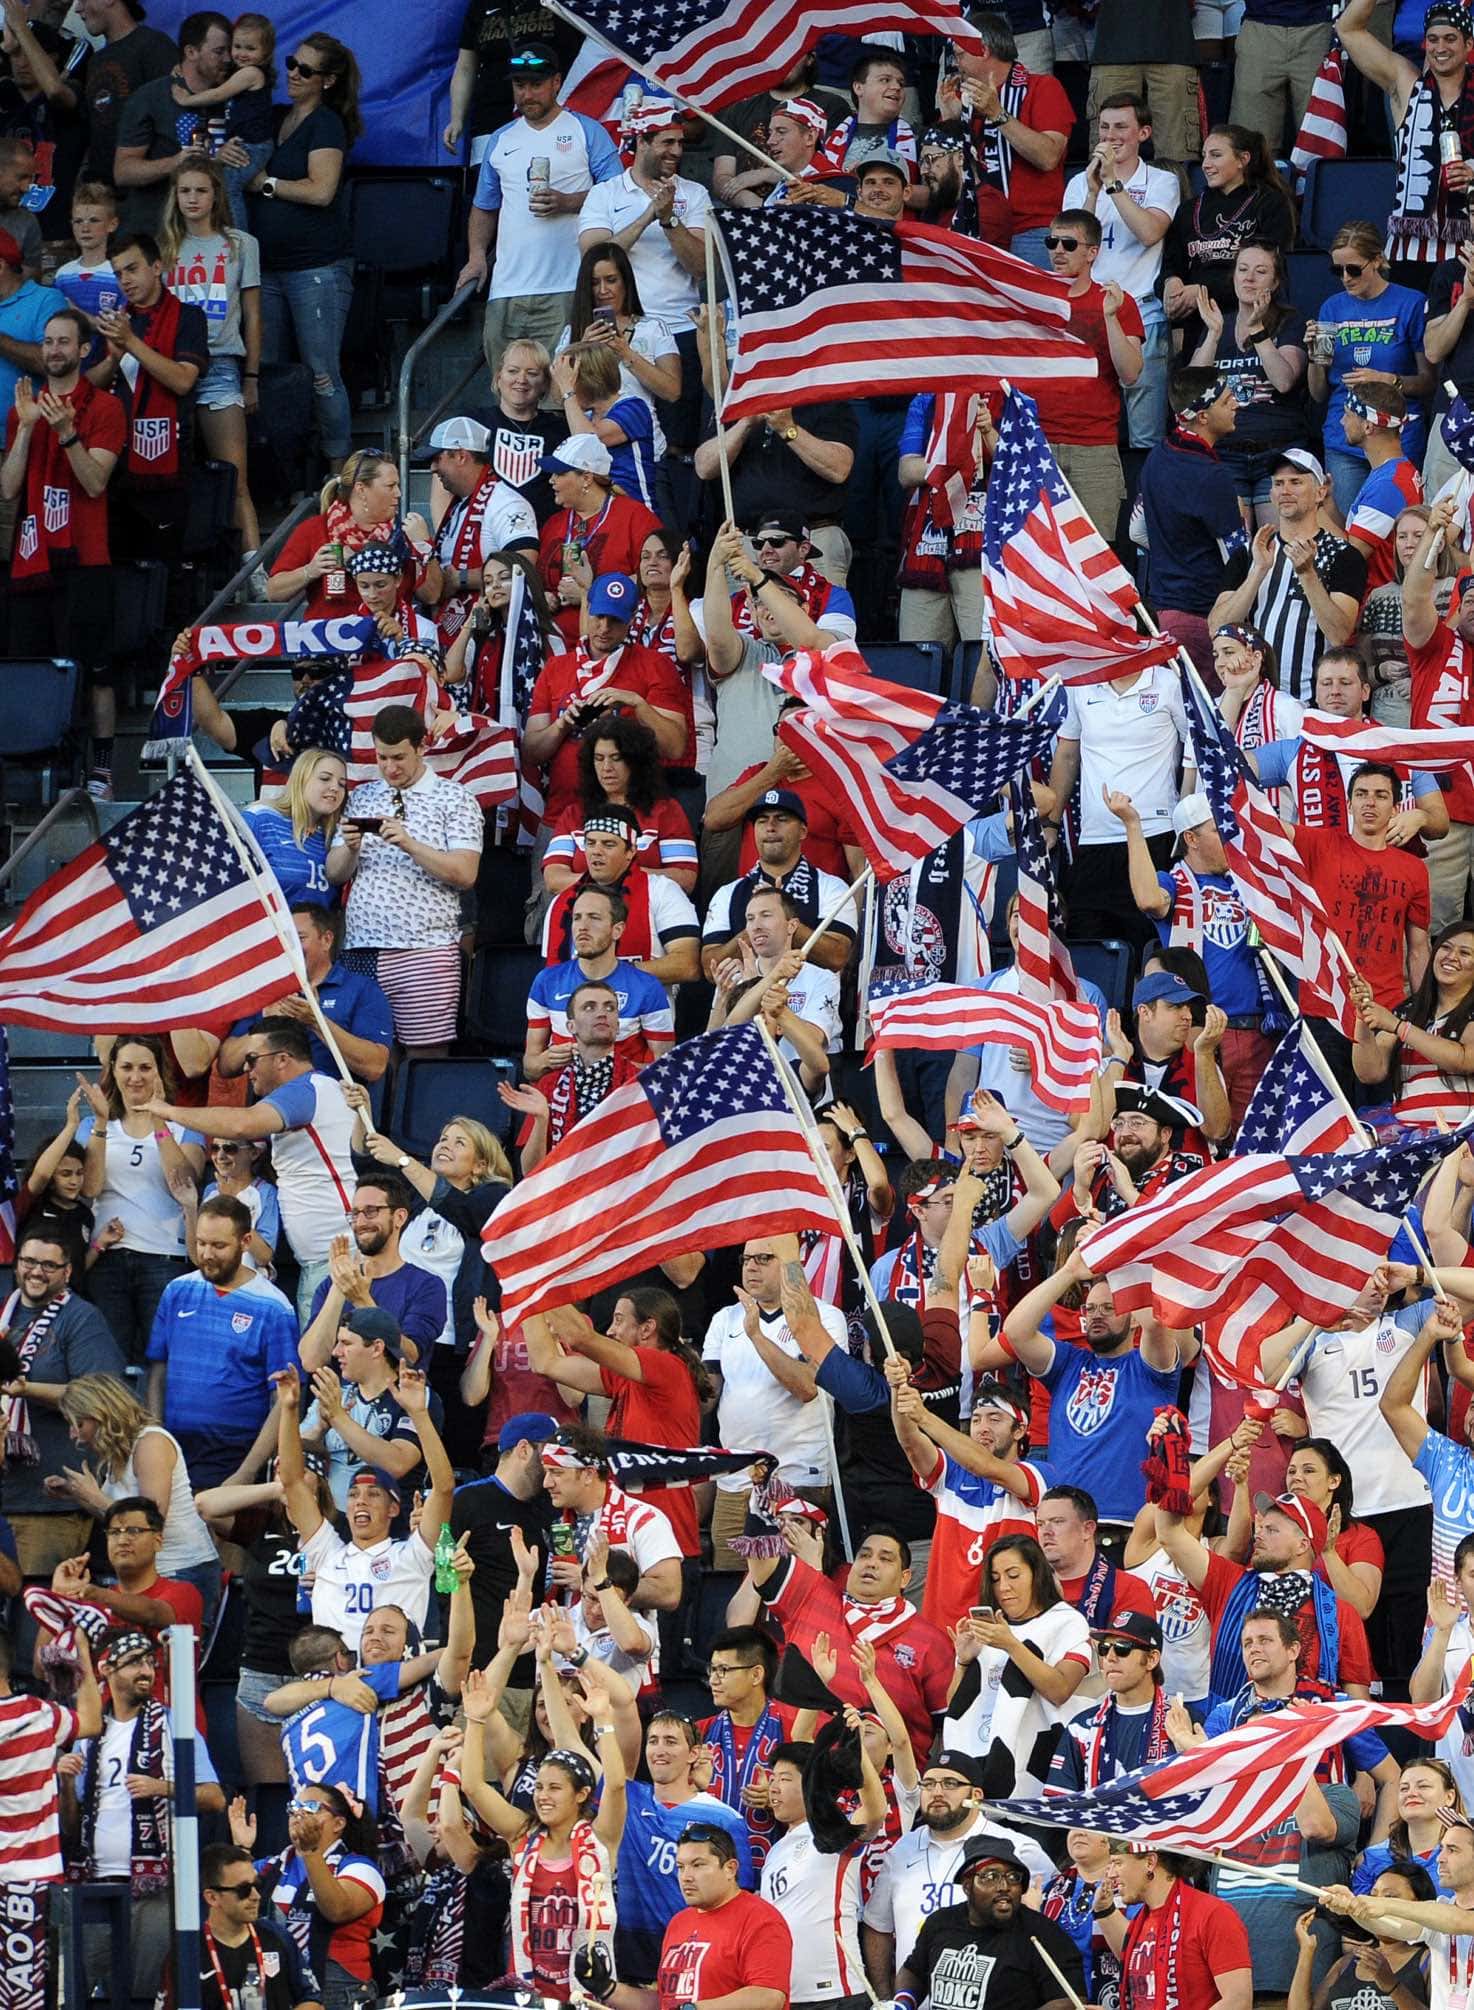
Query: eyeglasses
{"points": [[232, 1890], [1349, 270], [129, 1528], [300, 1807], [718, 1671], [367, 1213], [997, 1875], [1117, 1650], [1061, 244], [303, 69], [41, 1263], [934, 1783], [250, 1061]]}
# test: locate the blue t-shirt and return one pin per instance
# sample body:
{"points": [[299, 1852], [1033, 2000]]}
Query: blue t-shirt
{"points": [[1381, 334], [639, 995], [632, 464], [329, 1745], [350, 999], [1099, 1413], [221, 1348], [1233, 976], [301, 869], [23, 318], [1378, 1857], [1449, 1470], [1195, 529], [1123, 1740], [645, 1869], [410, 1296]]}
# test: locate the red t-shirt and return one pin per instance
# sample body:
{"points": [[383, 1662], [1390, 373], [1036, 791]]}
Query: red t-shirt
{"points": [[552, 1920], [1356, 1657], [645, 673], [1372, 898], [515, 1386], [611, 542], [1270, 1458], [744, 1944], [101, 422], [827, 835], [1034, 195], [1358, 1544], [189, 1610], [664, 1409], [304, 543], [1129, 1594], [1441, 676], [1214, 1941], [914, 1661], [1086, 411], [662, 826]]}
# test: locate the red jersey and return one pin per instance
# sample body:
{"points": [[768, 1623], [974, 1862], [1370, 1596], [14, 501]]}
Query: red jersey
{"points": [[972, 1514], [744, 1944], [1209, 1940], [1128, 1592], [1372, 898], [610, 541], [516, 1386], [645, 673], [665, 838], [1443, 695], [825, 840], [58, 525], [1086, 411], [664, 1409], [1356, 1656]]}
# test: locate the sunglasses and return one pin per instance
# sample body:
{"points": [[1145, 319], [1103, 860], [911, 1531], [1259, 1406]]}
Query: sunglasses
{"points": [[702, 1832], [1350, 270], [1117, 1650], [772, 540], [303, 69], [1061, 244], [233, 1890], [300, 1807]]}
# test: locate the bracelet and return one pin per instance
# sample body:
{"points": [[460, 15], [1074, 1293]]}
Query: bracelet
{"points": [[249, 374], [66, 444], [1105, 1911], [1012, 1144], [1400, 1031], [1113, 1061], [603, 1730]]}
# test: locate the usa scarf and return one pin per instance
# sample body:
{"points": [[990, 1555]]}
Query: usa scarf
{"points": [[594, 1890], [1097, 1601], [943, 531], [1226, 1673], [995, 155], [45, 535], [1320, 791], [1156, 1745], [730, 1777], [153, 419], [1427, 218], [879, 1619], [812, 589], [20, 1439], [1166, 1956], [459, 544], [260, 641], [148, 1814]]}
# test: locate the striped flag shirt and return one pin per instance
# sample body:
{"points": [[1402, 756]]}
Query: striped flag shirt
{"points": [[1285, 618], [835, 305], [33, 1733], [1062, 1039]]}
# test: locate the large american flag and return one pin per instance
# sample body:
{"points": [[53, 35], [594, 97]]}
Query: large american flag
{"points": [[9, 1178], [476, 752], [1268, 871], [1439, 749], [1310, 1229], [156, 925], [838, 684], [715, 52], [1058, 600], [1062, 1039], [1227, 1792], [834, 305], [701, 1151], [1046, 968]]}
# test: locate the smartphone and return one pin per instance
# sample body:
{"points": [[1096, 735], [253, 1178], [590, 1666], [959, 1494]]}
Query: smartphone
{"points": [[368, 825], [608, 314], [981, 1612]]}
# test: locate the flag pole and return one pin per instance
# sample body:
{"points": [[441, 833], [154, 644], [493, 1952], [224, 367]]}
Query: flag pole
{"points": [[262, 880], [1430, 558], [1046, 690], [716, 344], [1058, 1973], [850, 893]]}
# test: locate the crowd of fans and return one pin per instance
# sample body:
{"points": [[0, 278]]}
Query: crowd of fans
{"points": [[736, 1742]]}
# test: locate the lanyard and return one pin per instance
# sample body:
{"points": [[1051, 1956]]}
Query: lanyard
{"points": [[1456, 1994], [227, 1996]]}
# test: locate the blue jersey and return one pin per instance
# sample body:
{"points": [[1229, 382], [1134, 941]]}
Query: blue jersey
{"points": [[1099, 1412], [300, 865], [221, 1349], [645, 1870], [329, 1745]]}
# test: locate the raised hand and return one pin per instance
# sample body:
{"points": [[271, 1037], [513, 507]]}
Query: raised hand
{"points": [[824, 1658]]}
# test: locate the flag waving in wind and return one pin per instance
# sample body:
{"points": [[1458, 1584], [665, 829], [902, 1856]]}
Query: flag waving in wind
{"points": [[1062, 1039], [1045, 967]]}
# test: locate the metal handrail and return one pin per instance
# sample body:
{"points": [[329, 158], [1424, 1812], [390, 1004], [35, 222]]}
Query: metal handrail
{"points": [[309, 506], [407, 439], [54, 815]]}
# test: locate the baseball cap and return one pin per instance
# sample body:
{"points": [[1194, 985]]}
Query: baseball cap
{"points": [[613, 593], [535, 59], [1301, 458], [533, 1427], [1156, 1104], [10, 252], [779, 799], [460, 432], [655, 115], [579, 454], [1163, 985], [1306, 1516], [950, 1760], [369, 1322], [883, 158], [1138, 1627], [1192, 811], [375, 1476], [992, 1849], [786, 526]]}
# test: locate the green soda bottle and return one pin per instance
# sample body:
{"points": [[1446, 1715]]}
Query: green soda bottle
{"points": [[445, 1560]]}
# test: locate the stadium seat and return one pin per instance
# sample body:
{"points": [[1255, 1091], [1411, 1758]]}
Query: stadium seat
{"points": [[1338, 192], [496, 997], [965, 659], [402, 224], [693, 1007], [1110, 964], [427, 1094], [1311, 281], [140, 606], [38, 710], [502, 887], [920, 666]]}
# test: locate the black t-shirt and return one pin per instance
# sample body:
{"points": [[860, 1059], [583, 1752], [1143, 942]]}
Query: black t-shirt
{"points": [[1207, 233], [1458, 366], [287, 1980], [490, 28], [153, 121], [294, 237], [485, 1511], [270, 1587], [768, 474], [967, 1967], [517, 448], [1144, 31], [1266, 418], [109, 78], [58, 137]]}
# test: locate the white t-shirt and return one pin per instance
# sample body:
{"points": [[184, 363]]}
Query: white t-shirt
{"points": [[819, 1896], [534, 254], [1123, 257], [813, 995], [135, 1191], [348, 1582], [313, 1161], [1132, 742], [1342, 1384], [667, 290], [114, 1836], [919, 1876], [1186, 1633], [756, 1412], [828, 891], [187, 1542], [431, 1242], [1450, 1969]]}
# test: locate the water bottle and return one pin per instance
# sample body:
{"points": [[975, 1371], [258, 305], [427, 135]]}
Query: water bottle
{"points": [[297, 1565], [250, 1995], [445, 1560]]}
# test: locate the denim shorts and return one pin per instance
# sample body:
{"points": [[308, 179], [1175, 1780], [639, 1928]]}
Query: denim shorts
{"points": [[220, 386], [252, 1688]]}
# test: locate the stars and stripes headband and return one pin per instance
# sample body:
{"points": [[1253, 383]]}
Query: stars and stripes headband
{"points": [[557, 1452], [1238, 631], [655, 115], [803, 1510], [571, 1762], [806, 113], [1452, 13], [942, 140], [1370, 416], [130, 1646], [1205, 401], [1453, 1818], [610, 825]]}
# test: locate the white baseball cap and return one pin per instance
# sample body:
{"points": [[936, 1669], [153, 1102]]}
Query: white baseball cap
{"points": [[579, 454], [453, 433], [1192, 811]]}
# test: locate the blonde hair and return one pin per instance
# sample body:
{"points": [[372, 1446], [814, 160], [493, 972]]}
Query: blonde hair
{"points": [[173, 228], [118, 1413], [597, 371], [1450, 554], [356, 472], [263, 26], [1364, 239], [293, 799], [487, 1147]]}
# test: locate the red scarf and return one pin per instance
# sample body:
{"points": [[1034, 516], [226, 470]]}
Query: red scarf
{"points": [[648, 633], [943, 529], [47, 533], [638, 938], [462, 528], [595, 1892], [153, 418], [873, 1622], [1165, 1953], [1320, 793]]}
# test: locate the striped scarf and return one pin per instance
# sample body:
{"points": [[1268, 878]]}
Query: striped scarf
{"points": [[20, 1439], [995, 155], [148, 1814], [595, 1891], [1156, 1744]]}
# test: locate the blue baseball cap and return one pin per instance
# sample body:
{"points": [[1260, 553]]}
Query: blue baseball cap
{"points": [[1163, 985], [784, 800], [532, 1427], [613, 593], [375, 1476]]}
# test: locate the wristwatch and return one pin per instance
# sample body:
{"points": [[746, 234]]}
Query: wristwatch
{"points": [[402, 1161], [787, 432], [268, 187], [1012, 1144], [1114, 187], [603, 1585]]}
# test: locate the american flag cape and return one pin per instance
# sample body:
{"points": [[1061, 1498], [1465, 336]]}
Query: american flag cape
{"points": [[1045, 967], [834, 305], [1322, 134], [261, 642], [1062, 1040], [1224, 1793], [1057, 600], [475, 751], [1310, 1229], [701, 1151], [1438, 748], [715, 52], [1268, 871], [9, 1178], [156, 925]]}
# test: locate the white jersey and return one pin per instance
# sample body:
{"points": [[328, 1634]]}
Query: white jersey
{"points": [[503, 517], [348, 1582], [919, 1877], [819, 1897], [1129, 740], [755, 1408], [1456, 1746], [313, 1162], [135, 1190], [1342, 1384], [1186, 1632], [1122, 256]]}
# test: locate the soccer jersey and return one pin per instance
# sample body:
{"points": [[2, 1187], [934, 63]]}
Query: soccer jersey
{"points": [[221, 1349], [33, 1734], [349, 1582], [313, 1162], [317, 1939], [646, 1019], [819, 1896], [919, 1877], [1098, 1416], [972, 1514], [649, 1896], [329, 1745]]}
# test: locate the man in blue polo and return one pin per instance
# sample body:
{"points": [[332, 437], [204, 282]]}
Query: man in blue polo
{"points": [[351, 1000]]}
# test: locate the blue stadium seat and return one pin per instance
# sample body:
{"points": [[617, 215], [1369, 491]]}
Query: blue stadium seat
{"points": [[1338, 192], [502, 886], [428, 1093], [400, 223], [965, 660], [1312, 281], [38, 711], [920, 666], [1111, 964], [496, 997]]}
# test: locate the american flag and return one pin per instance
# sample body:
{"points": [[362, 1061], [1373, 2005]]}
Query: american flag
{"points": [[475, 751], [1441, 748], [9, 1178], [701, 1151], [1045, 967], [1310, 1229], [838, 684], [156, 925], [1058, 599], [715, 52], [1268, 871], [1458, 433], [523, 654], [1227, 1792], [1322, 134], [834, 305], [1062, 1039]]}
